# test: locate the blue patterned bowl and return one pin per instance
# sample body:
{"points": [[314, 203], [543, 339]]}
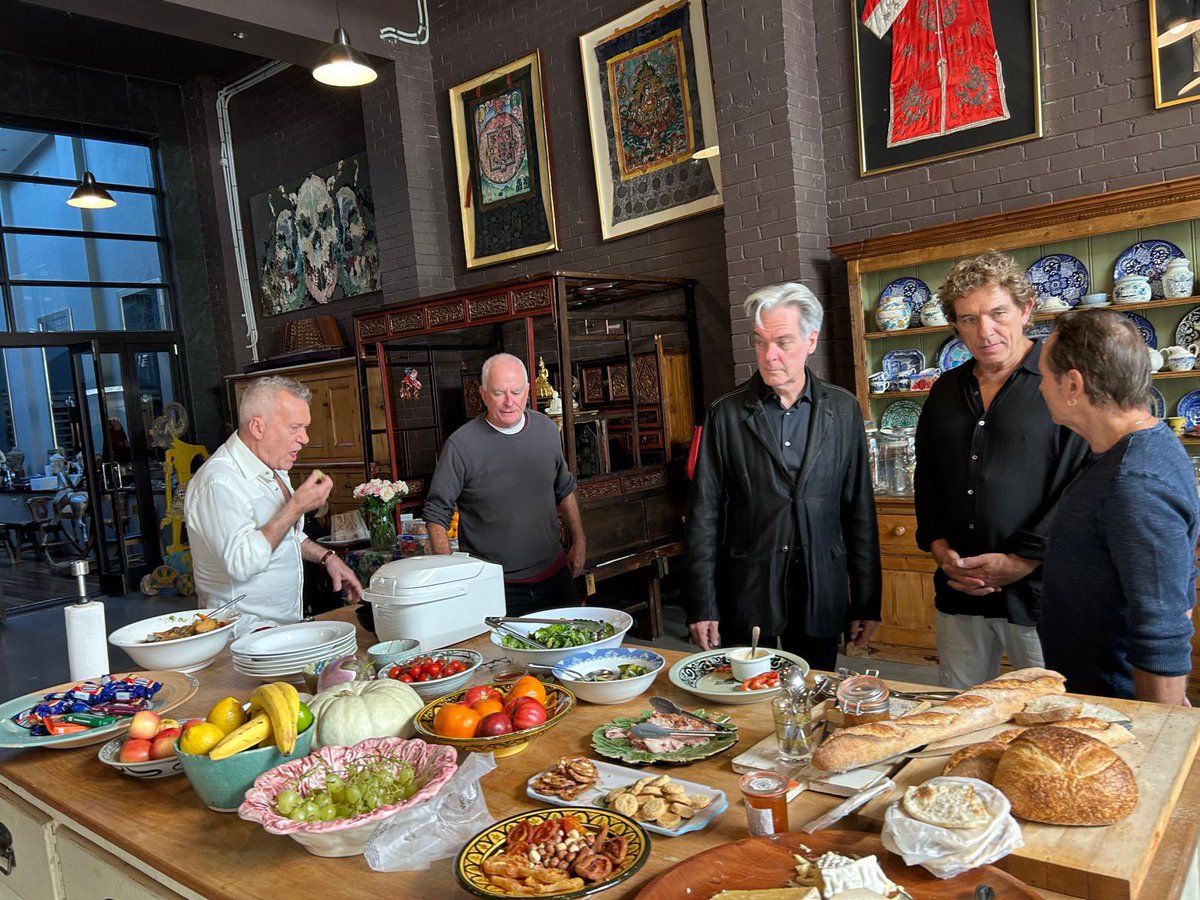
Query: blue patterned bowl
{"points": [[606, 692], [893, 317]]}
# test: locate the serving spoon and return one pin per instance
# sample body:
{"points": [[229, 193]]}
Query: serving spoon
{"points": [[576, 675]]}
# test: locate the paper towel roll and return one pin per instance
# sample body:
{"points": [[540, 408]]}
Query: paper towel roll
{"points": [[87, 640]]}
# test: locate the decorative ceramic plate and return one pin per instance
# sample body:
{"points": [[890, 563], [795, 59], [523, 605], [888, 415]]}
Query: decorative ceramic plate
{"points": [[707, 675], [1059, 275], [951, 354], [284, 640], [1188, 330], [913, 290], [176, 689], [900, 362], [621, 748], [1189, 408], [761, 863], [901, 414], [151, 768], [1142, 324], [1147, 258], [1158, 403], [468, 867], [613, 776], [1038, 330]]}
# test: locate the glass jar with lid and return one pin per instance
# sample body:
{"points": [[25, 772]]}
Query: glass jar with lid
{"points": [[897, 460], [864, 698]]}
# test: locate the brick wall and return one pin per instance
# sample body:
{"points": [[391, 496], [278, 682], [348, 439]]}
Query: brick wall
{"points": [[1101, 129], [472, 36]]}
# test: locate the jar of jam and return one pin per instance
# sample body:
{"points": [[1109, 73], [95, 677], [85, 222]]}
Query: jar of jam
{"points": [[765, 794], [864, 698]]}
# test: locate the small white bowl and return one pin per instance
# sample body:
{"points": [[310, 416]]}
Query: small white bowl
{"points": [[744, 667], [620, 620], [189, 654], [150, 768], [607, 692], [390, 652]]}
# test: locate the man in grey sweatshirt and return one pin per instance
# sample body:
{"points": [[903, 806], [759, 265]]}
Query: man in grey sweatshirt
{"points": [[506, 474]]}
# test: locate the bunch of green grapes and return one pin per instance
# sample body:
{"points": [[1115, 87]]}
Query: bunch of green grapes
{"points": [[365, 786]]}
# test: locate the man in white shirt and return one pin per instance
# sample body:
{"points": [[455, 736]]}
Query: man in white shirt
{"points": [[244, 520]]}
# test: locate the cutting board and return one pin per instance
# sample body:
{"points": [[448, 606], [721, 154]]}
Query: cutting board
{"points": [[1107, 863]]}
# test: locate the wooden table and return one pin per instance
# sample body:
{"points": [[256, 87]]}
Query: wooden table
{"points": [[160, 829]]}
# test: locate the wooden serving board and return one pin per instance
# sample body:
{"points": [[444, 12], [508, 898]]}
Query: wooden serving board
{"points": [[767, 862], [1098, 863]]}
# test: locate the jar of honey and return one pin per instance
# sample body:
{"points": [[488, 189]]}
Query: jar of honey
{"points": [[765, 794], [864, 698]]}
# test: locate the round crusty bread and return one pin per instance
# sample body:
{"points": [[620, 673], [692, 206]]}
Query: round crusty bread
{"points": [[1063, 777], [946, 805], [987, 704], [977, 761]]}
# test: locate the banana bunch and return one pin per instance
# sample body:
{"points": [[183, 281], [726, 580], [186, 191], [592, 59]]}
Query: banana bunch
{"points": [[274, 709]]}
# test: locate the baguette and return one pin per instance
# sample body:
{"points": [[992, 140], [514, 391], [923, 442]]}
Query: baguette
{"points": [[990, 703]]}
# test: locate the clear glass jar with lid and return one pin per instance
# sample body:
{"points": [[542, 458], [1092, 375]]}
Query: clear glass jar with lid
{"points": [[897, 460], [862, 699]]}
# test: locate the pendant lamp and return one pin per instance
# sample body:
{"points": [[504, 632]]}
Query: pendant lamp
{"points": [[90, 195], [341, 65]]}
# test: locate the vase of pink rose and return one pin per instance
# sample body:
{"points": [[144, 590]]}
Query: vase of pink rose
{"points": [[379, 499]]}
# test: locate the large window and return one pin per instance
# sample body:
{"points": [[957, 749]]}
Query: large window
{"points": [[69, 269]]}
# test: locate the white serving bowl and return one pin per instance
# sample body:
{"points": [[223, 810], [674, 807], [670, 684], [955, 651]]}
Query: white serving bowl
{"points": [[429, 690], [189, 654], [607, 692], [150, 768], [621, 621], [433, 764]]}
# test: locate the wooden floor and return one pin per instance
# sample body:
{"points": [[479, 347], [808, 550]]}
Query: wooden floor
{"points": [[32, 582]]}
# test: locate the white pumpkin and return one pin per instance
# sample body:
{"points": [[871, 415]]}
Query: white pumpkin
{"points": [[357, 710]]}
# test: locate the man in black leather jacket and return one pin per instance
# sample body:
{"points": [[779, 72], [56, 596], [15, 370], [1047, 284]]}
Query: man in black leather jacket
{"points": [[782, 531]]}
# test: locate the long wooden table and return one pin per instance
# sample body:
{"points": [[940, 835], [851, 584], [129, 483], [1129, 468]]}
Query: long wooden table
{"points": [[161, 829]]}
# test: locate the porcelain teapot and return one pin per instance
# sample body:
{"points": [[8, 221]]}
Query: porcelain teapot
{"points": [[1157, 359], [1181, 359]]}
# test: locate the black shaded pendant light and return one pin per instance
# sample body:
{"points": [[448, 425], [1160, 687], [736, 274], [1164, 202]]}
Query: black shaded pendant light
{"points": [[341, 65], [90, 195]]}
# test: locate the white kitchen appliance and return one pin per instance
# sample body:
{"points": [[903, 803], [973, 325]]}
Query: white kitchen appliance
{"points": [[437, 600]]}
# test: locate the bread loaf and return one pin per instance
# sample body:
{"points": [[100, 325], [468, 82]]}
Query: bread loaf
{"points": [[1045, 710], [977, 761], [1063, 777], [990, 703], [1106, 732]]}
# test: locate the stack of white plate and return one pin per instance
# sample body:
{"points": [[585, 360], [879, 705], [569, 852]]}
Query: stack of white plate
{"points": [[287, 649]]}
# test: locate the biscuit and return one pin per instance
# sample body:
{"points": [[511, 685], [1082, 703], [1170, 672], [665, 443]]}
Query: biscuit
{"points": [[683, 810], [669, 820], [699, 801], [653, 808], [626, 804]]}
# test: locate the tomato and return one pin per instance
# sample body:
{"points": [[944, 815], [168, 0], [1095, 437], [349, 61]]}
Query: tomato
{"points": [[481, 692], [406, 678], [455, 720], [434, 670], [487, 706], [528, 686], [423, 677], [525, 712]]}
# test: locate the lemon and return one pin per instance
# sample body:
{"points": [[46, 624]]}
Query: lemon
{"points": [[199, 739], [227, 714]]}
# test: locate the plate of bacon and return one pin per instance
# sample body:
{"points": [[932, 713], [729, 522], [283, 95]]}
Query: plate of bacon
{"points": [[614, 740]]}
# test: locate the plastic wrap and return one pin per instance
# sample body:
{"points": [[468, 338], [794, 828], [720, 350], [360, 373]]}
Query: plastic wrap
{"points": [[947, 852], [849, 805], [438, 829]]}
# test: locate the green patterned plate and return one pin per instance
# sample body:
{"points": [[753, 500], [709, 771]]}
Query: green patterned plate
{"points": [[621, 747], [468, 868]]}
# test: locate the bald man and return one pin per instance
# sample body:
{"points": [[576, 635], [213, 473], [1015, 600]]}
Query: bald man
{"points": [[505, 472], [244, 520]]}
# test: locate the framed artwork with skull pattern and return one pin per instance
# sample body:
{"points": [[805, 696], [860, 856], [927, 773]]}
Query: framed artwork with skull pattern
{"points": [[315, 238], [502, 156], [941, 78], [653, 123]]}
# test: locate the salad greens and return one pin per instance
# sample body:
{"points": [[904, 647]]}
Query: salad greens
{"points": [[625, 670], [558, 636]]}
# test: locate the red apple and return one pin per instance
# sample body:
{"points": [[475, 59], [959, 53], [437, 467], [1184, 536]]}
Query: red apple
{"points": [[190, 722], [162, 747], [171, 733], [165, 723], [144, 725], [481, 692], [135, 750], [494, 724]]}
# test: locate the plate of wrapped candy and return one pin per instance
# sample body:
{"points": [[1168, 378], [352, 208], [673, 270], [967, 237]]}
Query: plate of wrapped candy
{"points": [[80, 713]]}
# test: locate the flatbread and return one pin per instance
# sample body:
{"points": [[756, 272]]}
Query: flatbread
{"points": [[947, 805]]}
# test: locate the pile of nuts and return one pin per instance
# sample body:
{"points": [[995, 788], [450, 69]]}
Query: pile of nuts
{"points": [[657, 800], [560, 855], [571, 777]]}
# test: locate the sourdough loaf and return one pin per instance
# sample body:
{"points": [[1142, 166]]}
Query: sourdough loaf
{"points": [[1063, 777], [977, 761], [990, 703], [1107, 733]]}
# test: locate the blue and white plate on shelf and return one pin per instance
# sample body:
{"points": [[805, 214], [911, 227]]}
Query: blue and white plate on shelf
{"points": [[1188, 330], [951, 354], [1038, 330], [902, 362], [1158, 403], [1189, 408], [913, 290], [1142, 324], [1147, 258], [1059, 275], [903, 414]]}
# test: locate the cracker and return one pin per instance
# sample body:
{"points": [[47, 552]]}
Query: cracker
{"points": [[669, 820], [673, 790], [699, 801], [661, 780], [653, 808], [626, 804], [683, 810]]}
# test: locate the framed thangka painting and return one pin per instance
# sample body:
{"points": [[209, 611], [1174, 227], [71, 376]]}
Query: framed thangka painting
{"points": [[315, 238], [652, 119], [1175, 51], [942, 78], [502, 154]]}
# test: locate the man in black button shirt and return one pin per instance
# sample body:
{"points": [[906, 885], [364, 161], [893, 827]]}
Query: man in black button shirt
{"points": [[781, 532], [991, 465]]}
